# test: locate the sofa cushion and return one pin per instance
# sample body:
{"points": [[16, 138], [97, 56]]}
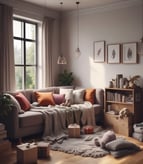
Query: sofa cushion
{"points": [[59, 98], [23, 101], [68, 94], [90, 95], [15, 103], [45, 98], [78, 96], [30, 118]]}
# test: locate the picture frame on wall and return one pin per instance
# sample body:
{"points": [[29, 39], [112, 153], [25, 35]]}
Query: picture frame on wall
{"points": [[99, 52], [113, 53], [129, 54]]}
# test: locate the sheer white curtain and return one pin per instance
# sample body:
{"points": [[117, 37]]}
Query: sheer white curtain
{"points": [[47, 35], [7, 72]]}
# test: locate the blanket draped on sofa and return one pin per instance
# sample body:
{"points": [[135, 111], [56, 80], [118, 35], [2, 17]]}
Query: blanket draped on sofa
{"points": [[57, 118]]}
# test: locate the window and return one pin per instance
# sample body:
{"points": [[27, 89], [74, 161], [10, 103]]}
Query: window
{"points": [[25, 51]]}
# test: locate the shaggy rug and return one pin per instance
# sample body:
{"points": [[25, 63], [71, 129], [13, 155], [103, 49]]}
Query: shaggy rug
{"points": [[84, 146]]}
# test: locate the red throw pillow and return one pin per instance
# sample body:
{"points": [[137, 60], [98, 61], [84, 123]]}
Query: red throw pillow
{"points": [[45, 98], [90, 95], [23, 101]]}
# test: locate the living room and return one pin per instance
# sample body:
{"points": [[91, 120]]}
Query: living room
{"points": [[117, 23]]}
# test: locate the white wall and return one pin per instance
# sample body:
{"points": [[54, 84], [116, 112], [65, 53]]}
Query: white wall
{"points": [[114, 24]]}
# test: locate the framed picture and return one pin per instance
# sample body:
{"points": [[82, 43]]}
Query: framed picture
{"points": [[99, 51], [113, 53], [129, 53]]}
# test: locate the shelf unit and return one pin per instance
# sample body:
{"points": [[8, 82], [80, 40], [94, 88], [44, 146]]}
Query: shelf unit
{"points": [[117, 99]]}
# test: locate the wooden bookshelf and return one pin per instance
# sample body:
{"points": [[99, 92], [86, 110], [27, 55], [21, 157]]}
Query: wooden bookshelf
{"points": [[117, 99]]}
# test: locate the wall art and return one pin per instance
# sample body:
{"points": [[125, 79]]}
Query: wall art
{"points": [[99, 51], [129, 53], [113, 53]]}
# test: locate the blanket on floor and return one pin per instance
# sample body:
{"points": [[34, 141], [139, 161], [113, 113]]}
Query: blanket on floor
{"points": [[84, 146]]}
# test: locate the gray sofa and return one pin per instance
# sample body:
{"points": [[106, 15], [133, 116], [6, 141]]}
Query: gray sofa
{"points": [[20, 124]]}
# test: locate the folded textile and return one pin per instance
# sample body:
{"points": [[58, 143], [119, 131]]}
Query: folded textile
{"points": [[119, 144], [138, 127], [122, 153], [121, 147], [138, 136], [107, 137]]}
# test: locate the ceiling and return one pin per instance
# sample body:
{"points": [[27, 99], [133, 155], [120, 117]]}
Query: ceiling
{"points": [[71, 4]]}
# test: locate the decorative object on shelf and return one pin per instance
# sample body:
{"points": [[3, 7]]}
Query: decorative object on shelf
{"points": [[140, 43], [61, 58], [113, 51], [99, 51], [5, 105], [66, 78], [123, 82], [77, 51], [133, 81], [123, 113], [130, 53]]}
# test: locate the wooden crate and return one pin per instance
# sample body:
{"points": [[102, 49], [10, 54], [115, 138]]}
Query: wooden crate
{"points": [[74, 130], [5, 146], [43, 149], [27, 155], [122, 126]]}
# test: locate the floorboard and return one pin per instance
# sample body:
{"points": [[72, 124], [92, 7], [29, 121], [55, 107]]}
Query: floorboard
{"points": [[63, 158]]}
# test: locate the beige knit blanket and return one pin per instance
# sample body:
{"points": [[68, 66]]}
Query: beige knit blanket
{"points": [[57, 118]]}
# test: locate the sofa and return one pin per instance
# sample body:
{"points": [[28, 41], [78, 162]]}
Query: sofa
{"points": [[21, 123]]}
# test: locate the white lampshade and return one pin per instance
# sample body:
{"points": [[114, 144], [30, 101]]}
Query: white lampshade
{"points": [[77, 52], [61, 60]]}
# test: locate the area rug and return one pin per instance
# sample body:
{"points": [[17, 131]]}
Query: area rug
{"points": [[83, 146]]}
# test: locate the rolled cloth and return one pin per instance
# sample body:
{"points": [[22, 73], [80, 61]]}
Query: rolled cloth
{"points": [[107, 137]]}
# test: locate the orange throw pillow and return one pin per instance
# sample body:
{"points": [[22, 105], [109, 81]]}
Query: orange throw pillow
{"points": [[90, 95], [23, 101], [45, 98]]}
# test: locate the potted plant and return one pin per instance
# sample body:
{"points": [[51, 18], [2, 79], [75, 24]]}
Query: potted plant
{"points": [[5, 105], [66, 78]]}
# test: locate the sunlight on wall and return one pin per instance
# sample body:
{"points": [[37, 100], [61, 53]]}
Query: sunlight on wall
{"points": [[97, 74]]}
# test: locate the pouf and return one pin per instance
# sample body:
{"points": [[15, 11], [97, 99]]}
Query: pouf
{"points": [[74, 130], [43, 149], [88, 129], [27, 153]]}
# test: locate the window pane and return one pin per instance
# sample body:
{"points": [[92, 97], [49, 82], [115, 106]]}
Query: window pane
{"points": [[30, 77], [30, 31], [19, 76], [30, 53], [18, 51], [18, 29]]}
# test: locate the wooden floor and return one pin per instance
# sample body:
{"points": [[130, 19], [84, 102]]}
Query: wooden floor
{"points": [[63, 158]]}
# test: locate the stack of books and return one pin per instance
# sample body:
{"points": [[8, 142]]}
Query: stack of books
{"points": [[4, 142]]}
